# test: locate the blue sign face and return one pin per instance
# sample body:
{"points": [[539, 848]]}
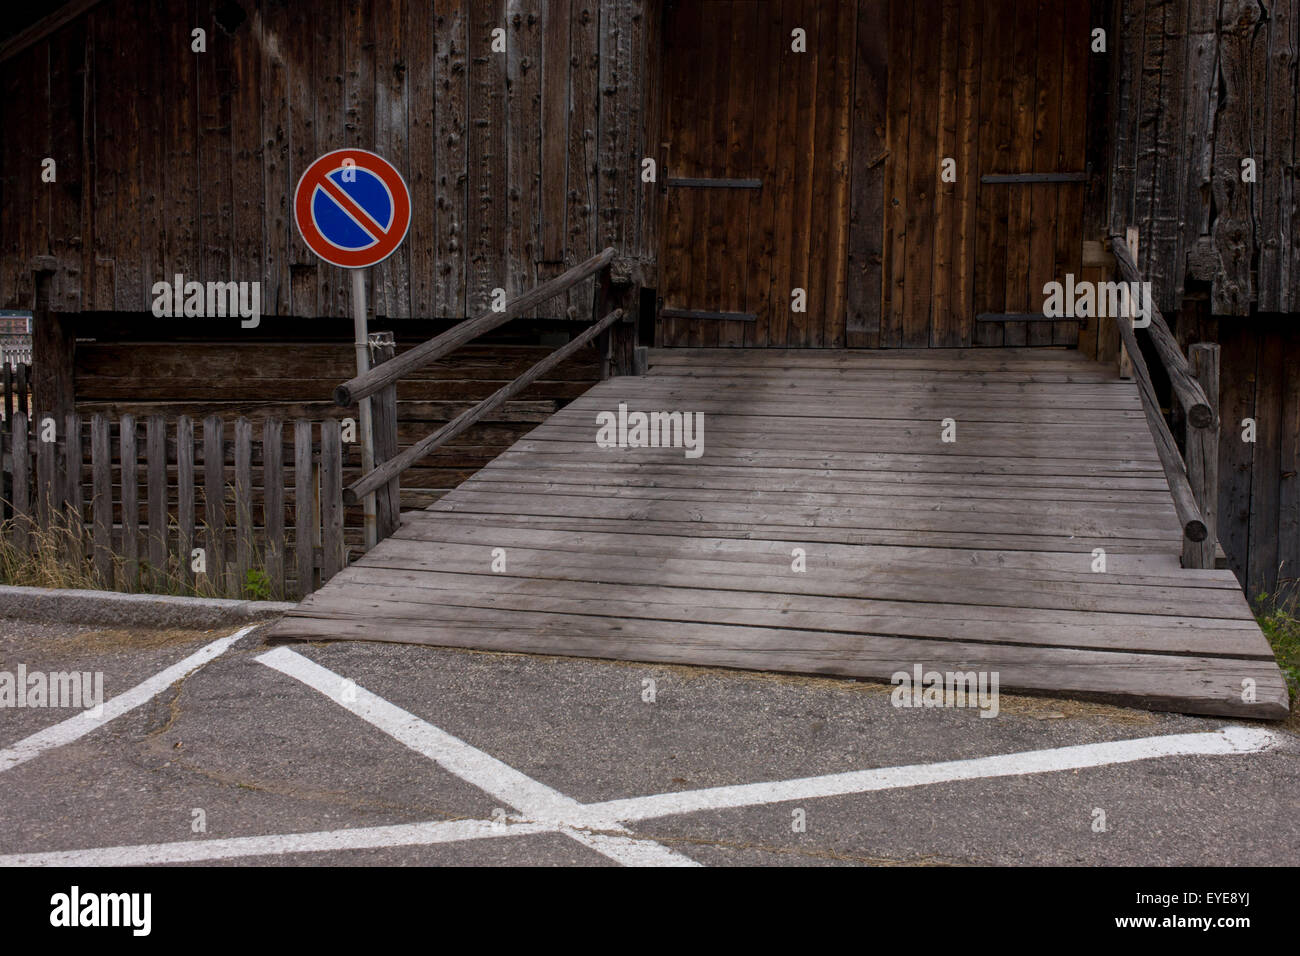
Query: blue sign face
{"points": [[346, 229]]}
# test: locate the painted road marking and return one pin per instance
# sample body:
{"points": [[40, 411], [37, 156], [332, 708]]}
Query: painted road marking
{"points": [[585, 822], [536, 802], [83, 723]]}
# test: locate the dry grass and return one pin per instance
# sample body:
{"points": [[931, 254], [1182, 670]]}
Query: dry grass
{"points": [[58, 556]]}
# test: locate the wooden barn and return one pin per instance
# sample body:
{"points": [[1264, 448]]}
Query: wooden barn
{"points": [[828, 226]]}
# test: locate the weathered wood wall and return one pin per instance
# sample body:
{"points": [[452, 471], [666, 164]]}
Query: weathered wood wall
{"points": [[1259, 481], [170, 161], [1201, 86]]}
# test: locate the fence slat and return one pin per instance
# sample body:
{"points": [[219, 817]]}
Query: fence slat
{"points": [[185, 495], [383, 409], [243, 502], [74, 457], [156, 471], [273, 503], [128, 461], [331, 494], [214, 502], [101, 501], [304, 506], [20, 451], [46, 469], [74, 451]]}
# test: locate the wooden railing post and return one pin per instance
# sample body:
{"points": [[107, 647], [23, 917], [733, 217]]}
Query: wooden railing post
{"points": [[1202, 452], [383, 411], [616, 345]]}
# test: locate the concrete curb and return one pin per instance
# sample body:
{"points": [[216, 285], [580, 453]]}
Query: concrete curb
{"points": [[111, 608]]}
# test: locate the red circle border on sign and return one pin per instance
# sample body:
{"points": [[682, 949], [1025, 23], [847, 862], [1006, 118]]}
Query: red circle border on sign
{"points": [[311, 234]]}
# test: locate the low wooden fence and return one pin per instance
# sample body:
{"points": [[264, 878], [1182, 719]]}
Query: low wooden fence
{"points": [[234, 509]]}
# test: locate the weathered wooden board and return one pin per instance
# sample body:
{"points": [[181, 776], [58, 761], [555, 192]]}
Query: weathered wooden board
{"points": [[983, 561]]}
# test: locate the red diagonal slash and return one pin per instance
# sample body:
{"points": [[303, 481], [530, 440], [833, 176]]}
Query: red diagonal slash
{"points": [[353, 208]]}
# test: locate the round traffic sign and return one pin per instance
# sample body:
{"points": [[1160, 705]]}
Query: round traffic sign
{"points": [[352, 208]]}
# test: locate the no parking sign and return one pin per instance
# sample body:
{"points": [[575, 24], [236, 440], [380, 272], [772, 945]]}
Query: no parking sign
{"points": [[352, 208]]}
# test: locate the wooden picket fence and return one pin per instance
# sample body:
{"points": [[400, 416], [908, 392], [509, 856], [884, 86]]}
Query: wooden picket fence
{"points": [[242, 509]]}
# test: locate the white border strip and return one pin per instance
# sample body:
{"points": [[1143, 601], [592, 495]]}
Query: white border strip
{"points": [[536, 802], [84, 722], [1228, 740]]}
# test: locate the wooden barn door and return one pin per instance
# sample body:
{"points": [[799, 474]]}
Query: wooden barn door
{"points": [[999, 87], [754, 173]]}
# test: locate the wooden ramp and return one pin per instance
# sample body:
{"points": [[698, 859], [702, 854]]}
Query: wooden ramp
{"points": [[971, 555]]}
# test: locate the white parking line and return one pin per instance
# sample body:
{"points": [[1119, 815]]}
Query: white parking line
{"points": [[84, 722], [536, 802], [598, 825], [1228, 740]]}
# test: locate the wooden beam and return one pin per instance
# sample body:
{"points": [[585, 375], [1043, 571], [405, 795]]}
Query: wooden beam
{"points": [[1202, 446], [1189, 391], [395, 466], [367, 383], [1189, 513], [44, 27], [53, 346]]}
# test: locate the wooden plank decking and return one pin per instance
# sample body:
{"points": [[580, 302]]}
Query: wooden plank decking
{"points": [[970, 555]]}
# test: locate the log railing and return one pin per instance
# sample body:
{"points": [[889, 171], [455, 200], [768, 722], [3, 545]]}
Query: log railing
{"points": [[1193, 482], [383, 377]]}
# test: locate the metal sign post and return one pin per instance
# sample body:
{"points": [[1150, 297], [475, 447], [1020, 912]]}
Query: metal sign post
{"points": [[361, 332], [353, 209]]}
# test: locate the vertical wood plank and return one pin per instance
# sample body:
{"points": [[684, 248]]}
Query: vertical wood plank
{"points": [[273, 504], [1202, 453], [101, 506], [185, 497], [555, 126], [214, 502], [304, 507], [451, 79], [276, 133], [1239, 346], [48, 487], [156, 465], [331, 505], [421, 111], [384, 408], [74, 458], [20, 452], [1046, 158], [486, 222], [1265, 476], [392, 73], [582, 170], [945, 210], [523, 151], [299, 47], [128, 480], [836, 211], [896, 192], [243, 503]]}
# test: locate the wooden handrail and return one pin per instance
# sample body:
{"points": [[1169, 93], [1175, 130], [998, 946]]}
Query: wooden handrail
{"points": [[395, 466], [367, 383], [1189, 512], [1191, 396]]}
